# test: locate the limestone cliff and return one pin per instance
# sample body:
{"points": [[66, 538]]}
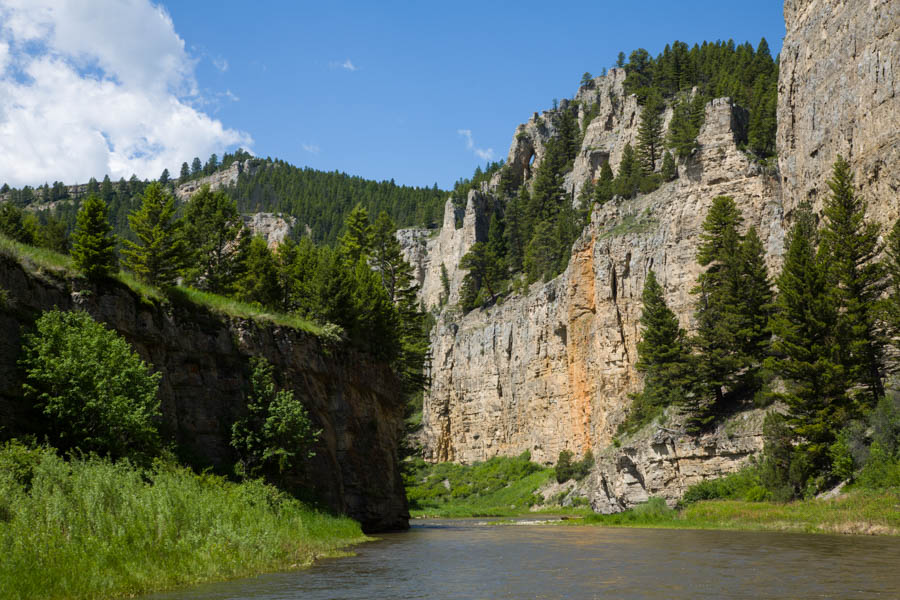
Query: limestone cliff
{"points": [[216, 181], [839, 93], [203, 358], [552, 368]]}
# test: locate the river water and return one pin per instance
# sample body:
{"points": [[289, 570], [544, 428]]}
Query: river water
{"points": [[469, 560]]}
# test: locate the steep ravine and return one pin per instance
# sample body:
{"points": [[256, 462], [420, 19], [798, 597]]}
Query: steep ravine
{"points": [[553, 368], [203, 358]]}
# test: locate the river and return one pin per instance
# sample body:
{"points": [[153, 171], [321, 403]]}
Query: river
{"points": [[468, 559]]}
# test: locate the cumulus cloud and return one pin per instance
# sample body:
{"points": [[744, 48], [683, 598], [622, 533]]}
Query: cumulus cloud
{"points": [[90, 88], [311, 148], [220, 63], [482, 153]]}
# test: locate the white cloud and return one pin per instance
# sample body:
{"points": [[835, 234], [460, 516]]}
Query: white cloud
{"points": [[98, 87], [311, 148], [347, 64], [220, 63], [482, 153]]}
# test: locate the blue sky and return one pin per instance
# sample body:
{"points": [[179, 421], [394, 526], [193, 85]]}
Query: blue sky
{"points": [[377, 89]]}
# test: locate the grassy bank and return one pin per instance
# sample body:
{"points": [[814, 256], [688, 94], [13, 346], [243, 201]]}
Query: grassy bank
{"points": [[859, 511], [41, 259], [499, 487], [88, 528]]}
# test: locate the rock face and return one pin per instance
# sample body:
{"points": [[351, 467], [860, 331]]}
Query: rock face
{"points": [[552, 369], [428, 251], [274, 228], [664, 461], [218, 180], [839, 93], [204, 360]]}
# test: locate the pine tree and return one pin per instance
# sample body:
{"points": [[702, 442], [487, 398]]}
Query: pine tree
{"points": [[804, 347], [387, 258], [516, 229], [160, 252], [668, 170], [628, 179], [497, 241], [12, 223], [260, 282], [196, 166], [650, 136], [185, 173], [663, 356], [547, 192], [852, 249], [542, 255], [683, 129], [603, 191], [755, 307], [718, 311], [164, 177], [215, 233], [93, 244], [481, 265], [356, 242]]}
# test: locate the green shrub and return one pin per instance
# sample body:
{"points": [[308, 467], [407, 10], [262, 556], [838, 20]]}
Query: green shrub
{"points": [[98, 395], [277, 433], [882, 470], [566, 469], [742, 485]]}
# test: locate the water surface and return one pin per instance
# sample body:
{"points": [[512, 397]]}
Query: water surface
{"points": [[468, 560]]}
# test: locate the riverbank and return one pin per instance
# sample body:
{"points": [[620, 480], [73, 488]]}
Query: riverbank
{"points": [[499, 487], [859, 511], [88, 528]]}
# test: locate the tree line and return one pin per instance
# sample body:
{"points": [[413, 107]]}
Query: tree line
{"points": [[822, 345], [363, 286]]}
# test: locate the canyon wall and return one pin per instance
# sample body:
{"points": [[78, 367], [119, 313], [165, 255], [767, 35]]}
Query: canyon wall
{"points": [[552, 368], [204, 361], [839, 93]]}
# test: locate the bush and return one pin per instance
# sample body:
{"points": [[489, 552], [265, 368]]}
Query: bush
{"points": [[98, 395], [742, 485], [566, 469], [277, 433]]}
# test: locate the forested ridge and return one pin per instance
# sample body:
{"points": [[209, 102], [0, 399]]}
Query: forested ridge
{"points": [[319, 200], [533, 225]]}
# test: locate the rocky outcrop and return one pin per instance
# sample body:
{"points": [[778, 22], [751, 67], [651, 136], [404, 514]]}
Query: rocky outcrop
{"points": [[203, 358], [839, 93], [274, 228], [552, 369], [432, 252], [218, 180], [664, 461]]}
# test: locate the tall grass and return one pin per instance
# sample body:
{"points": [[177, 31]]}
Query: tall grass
{"points": [[88, 528], [37, 258], [235, 308]]}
